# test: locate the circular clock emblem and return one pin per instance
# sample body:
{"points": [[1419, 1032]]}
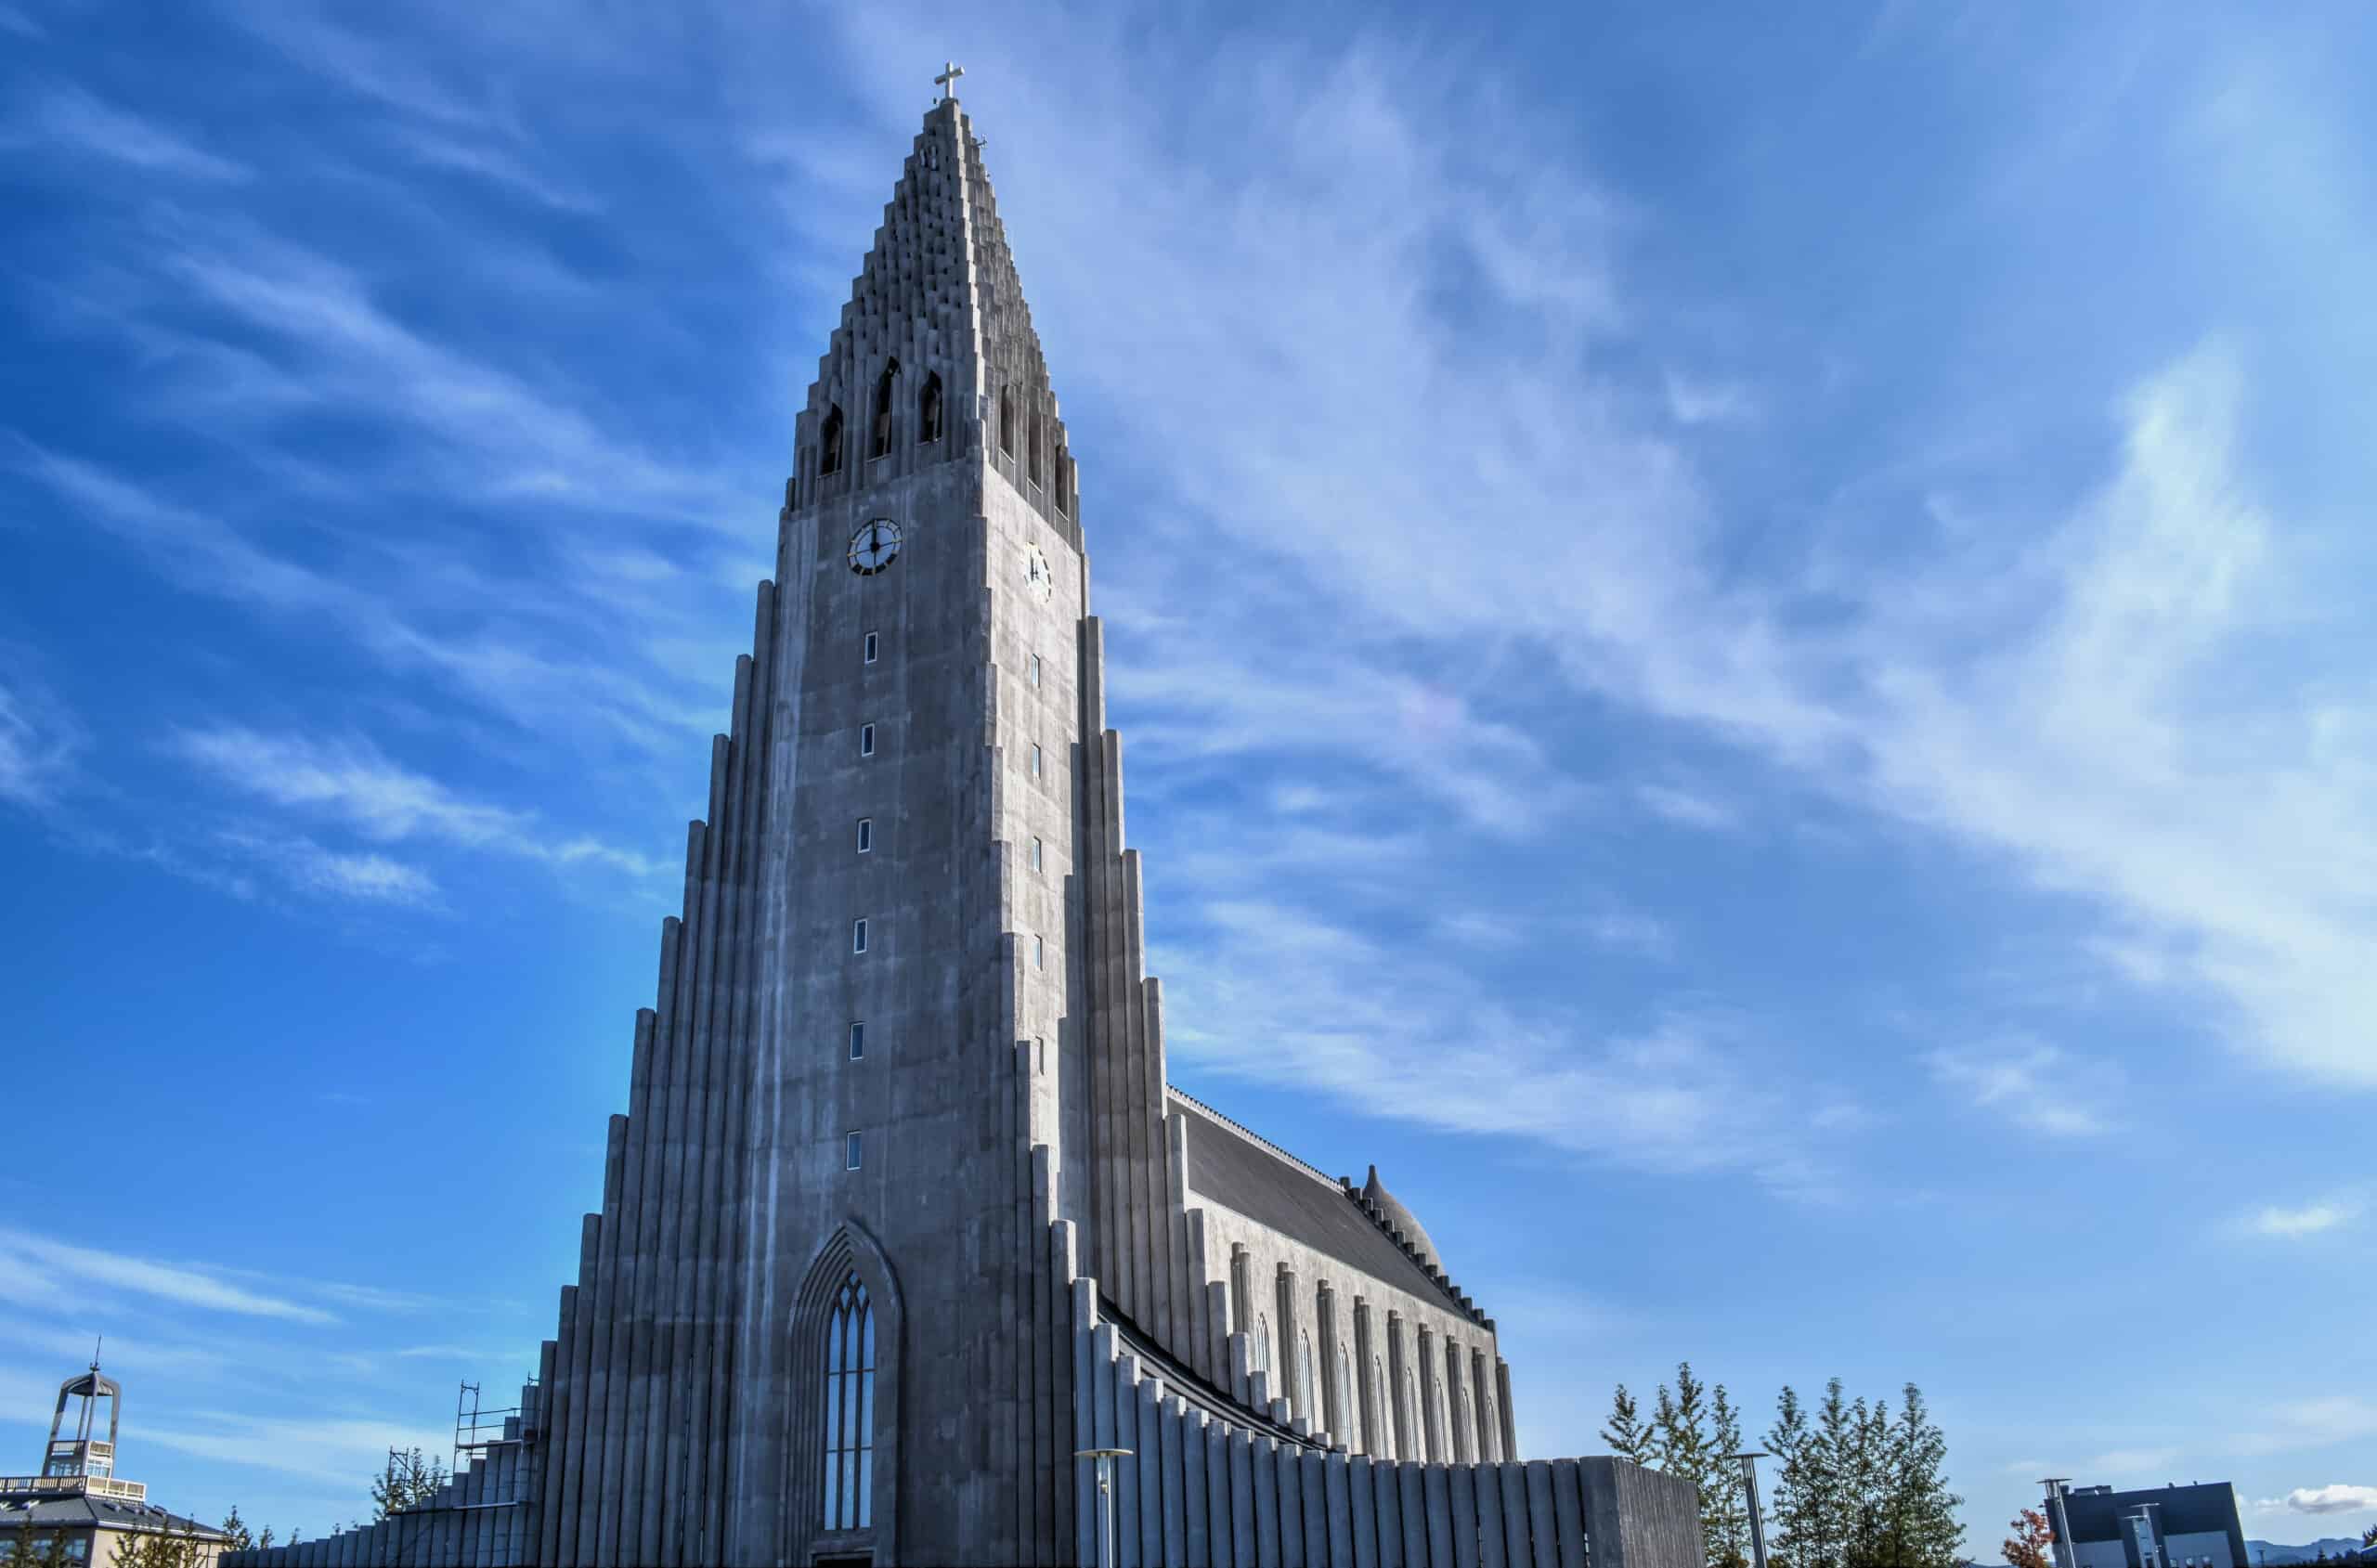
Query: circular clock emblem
{"points": [[874, 546], [1036, 573]]}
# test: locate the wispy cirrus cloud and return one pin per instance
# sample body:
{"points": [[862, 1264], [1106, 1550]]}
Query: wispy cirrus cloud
{"points": [[350, 781], [2034, 1085], [40, 739], [64, 117], [2315, 1218], [39, 1268]]}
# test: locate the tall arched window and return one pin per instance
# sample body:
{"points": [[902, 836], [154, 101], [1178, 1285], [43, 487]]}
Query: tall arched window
{"points": [[1006, 421], [849, 1409], [1346, 1416], [1307, 1386], [1063, 477], [1382, 1442], [929, 410], [829, 442], [1031, 450], [880, 444], [1262, 1343]]}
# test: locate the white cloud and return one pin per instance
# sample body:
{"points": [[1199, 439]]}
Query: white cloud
{"points": [[39, 739], [305, 865], [1688, 808], [351, 780], [2335, 1498], [2035, 1085], [2313, 1423], [70, 117], [1693, 401], [2311, 1219], [39, 1266]]}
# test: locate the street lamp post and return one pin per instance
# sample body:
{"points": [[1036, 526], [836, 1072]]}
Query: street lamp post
{"points": [[1105, 1458], [2067, 1553], [1757, 1519]]}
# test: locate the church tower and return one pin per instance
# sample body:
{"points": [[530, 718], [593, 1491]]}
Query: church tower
{"points": [[902, 1215]]}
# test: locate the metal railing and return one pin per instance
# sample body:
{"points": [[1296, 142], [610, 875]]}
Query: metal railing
{"points": [[93, 1485]]}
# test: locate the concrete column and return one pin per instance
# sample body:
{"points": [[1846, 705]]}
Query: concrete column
{"points": [[1490, 1530], [1195, 1493], [1436, 1497], [1370, 1440], [1407, 1442], [1461, 1486], [1543, 1520], [1568, 1512], [1503, 1409], [1387, 1487], [1412, 1484], [1432, 1376], [1290, 1342], [1242, 1501], [1332, 1403], [1150, 1462], [1313, 1489], [1089, 1429], [1489, 1446], [1518, 1542], [1265, 1473]]}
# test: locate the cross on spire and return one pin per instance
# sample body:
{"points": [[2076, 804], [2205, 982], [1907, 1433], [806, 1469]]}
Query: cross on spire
{"points": [[947, 81]]}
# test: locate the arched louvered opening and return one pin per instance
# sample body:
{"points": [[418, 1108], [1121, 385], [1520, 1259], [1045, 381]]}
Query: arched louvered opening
{"points": [[1006, 421], [1032, 449], [849, 1409], [929, 410], [829, 442], [879, 443], [1062, 476]]}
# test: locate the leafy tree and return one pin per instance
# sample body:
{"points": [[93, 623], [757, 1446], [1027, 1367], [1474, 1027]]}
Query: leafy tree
{"points": [[237, 1529], [163, 1548], [1628, 1435], [27, 1551], [411, 1481], [2032, 1542]]}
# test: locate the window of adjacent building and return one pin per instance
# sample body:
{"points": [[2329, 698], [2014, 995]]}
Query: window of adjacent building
{"points": [[867, 740], [850, 1403], [865, 834], [1037, 860], [1035, 669], [1035, 761], [858, 1041], [870, 647], [858, 935], [851, 1152]]}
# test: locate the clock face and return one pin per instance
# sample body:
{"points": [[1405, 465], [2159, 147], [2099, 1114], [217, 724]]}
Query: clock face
{"points": [[874, 546], [1037, 575]]}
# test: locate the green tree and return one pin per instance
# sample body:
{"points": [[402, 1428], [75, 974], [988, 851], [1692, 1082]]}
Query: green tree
{"points": [[237, 1529], [161, 1548], [29, 1550], [410, 1481], [1918, 1513], [1794, 1535], [1725, 1506], [1628, 1435]]}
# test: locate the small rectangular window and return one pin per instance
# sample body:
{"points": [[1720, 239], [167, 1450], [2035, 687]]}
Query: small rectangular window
{"points": [[1038, 861], [1035, 669], [870, 647], [867, 740], [851, 1152], [1039, 952], [865, 834], [1035, 761], [858, 1042], [858, 935]]}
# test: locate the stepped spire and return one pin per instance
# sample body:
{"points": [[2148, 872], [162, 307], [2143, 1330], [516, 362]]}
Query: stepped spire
{"points": [[935, 358]]}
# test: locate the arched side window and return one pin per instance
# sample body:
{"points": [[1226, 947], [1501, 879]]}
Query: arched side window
{"points": [[1031, 450], [1382, 1442], [849, 1409], [829, 442], [929, 410], [840, 1426], [1346, 1416], [1262, 1343], [1064, 486], [1006, 421], [881, 444]]}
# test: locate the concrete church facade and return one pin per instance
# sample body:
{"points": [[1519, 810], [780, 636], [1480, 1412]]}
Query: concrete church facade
{"points": [[904, 1213]]}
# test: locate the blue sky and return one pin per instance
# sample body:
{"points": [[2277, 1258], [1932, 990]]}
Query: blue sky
{"points": [[1742, 633]]}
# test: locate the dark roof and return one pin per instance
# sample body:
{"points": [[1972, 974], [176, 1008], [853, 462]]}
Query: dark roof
{"points": [[72, 1509], [1239, 1170], [2209, 1508]]}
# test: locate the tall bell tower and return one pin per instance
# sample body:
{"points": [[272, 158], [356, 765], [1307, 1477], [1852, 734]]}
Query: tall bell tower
{"points": [[917, 1001]]}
